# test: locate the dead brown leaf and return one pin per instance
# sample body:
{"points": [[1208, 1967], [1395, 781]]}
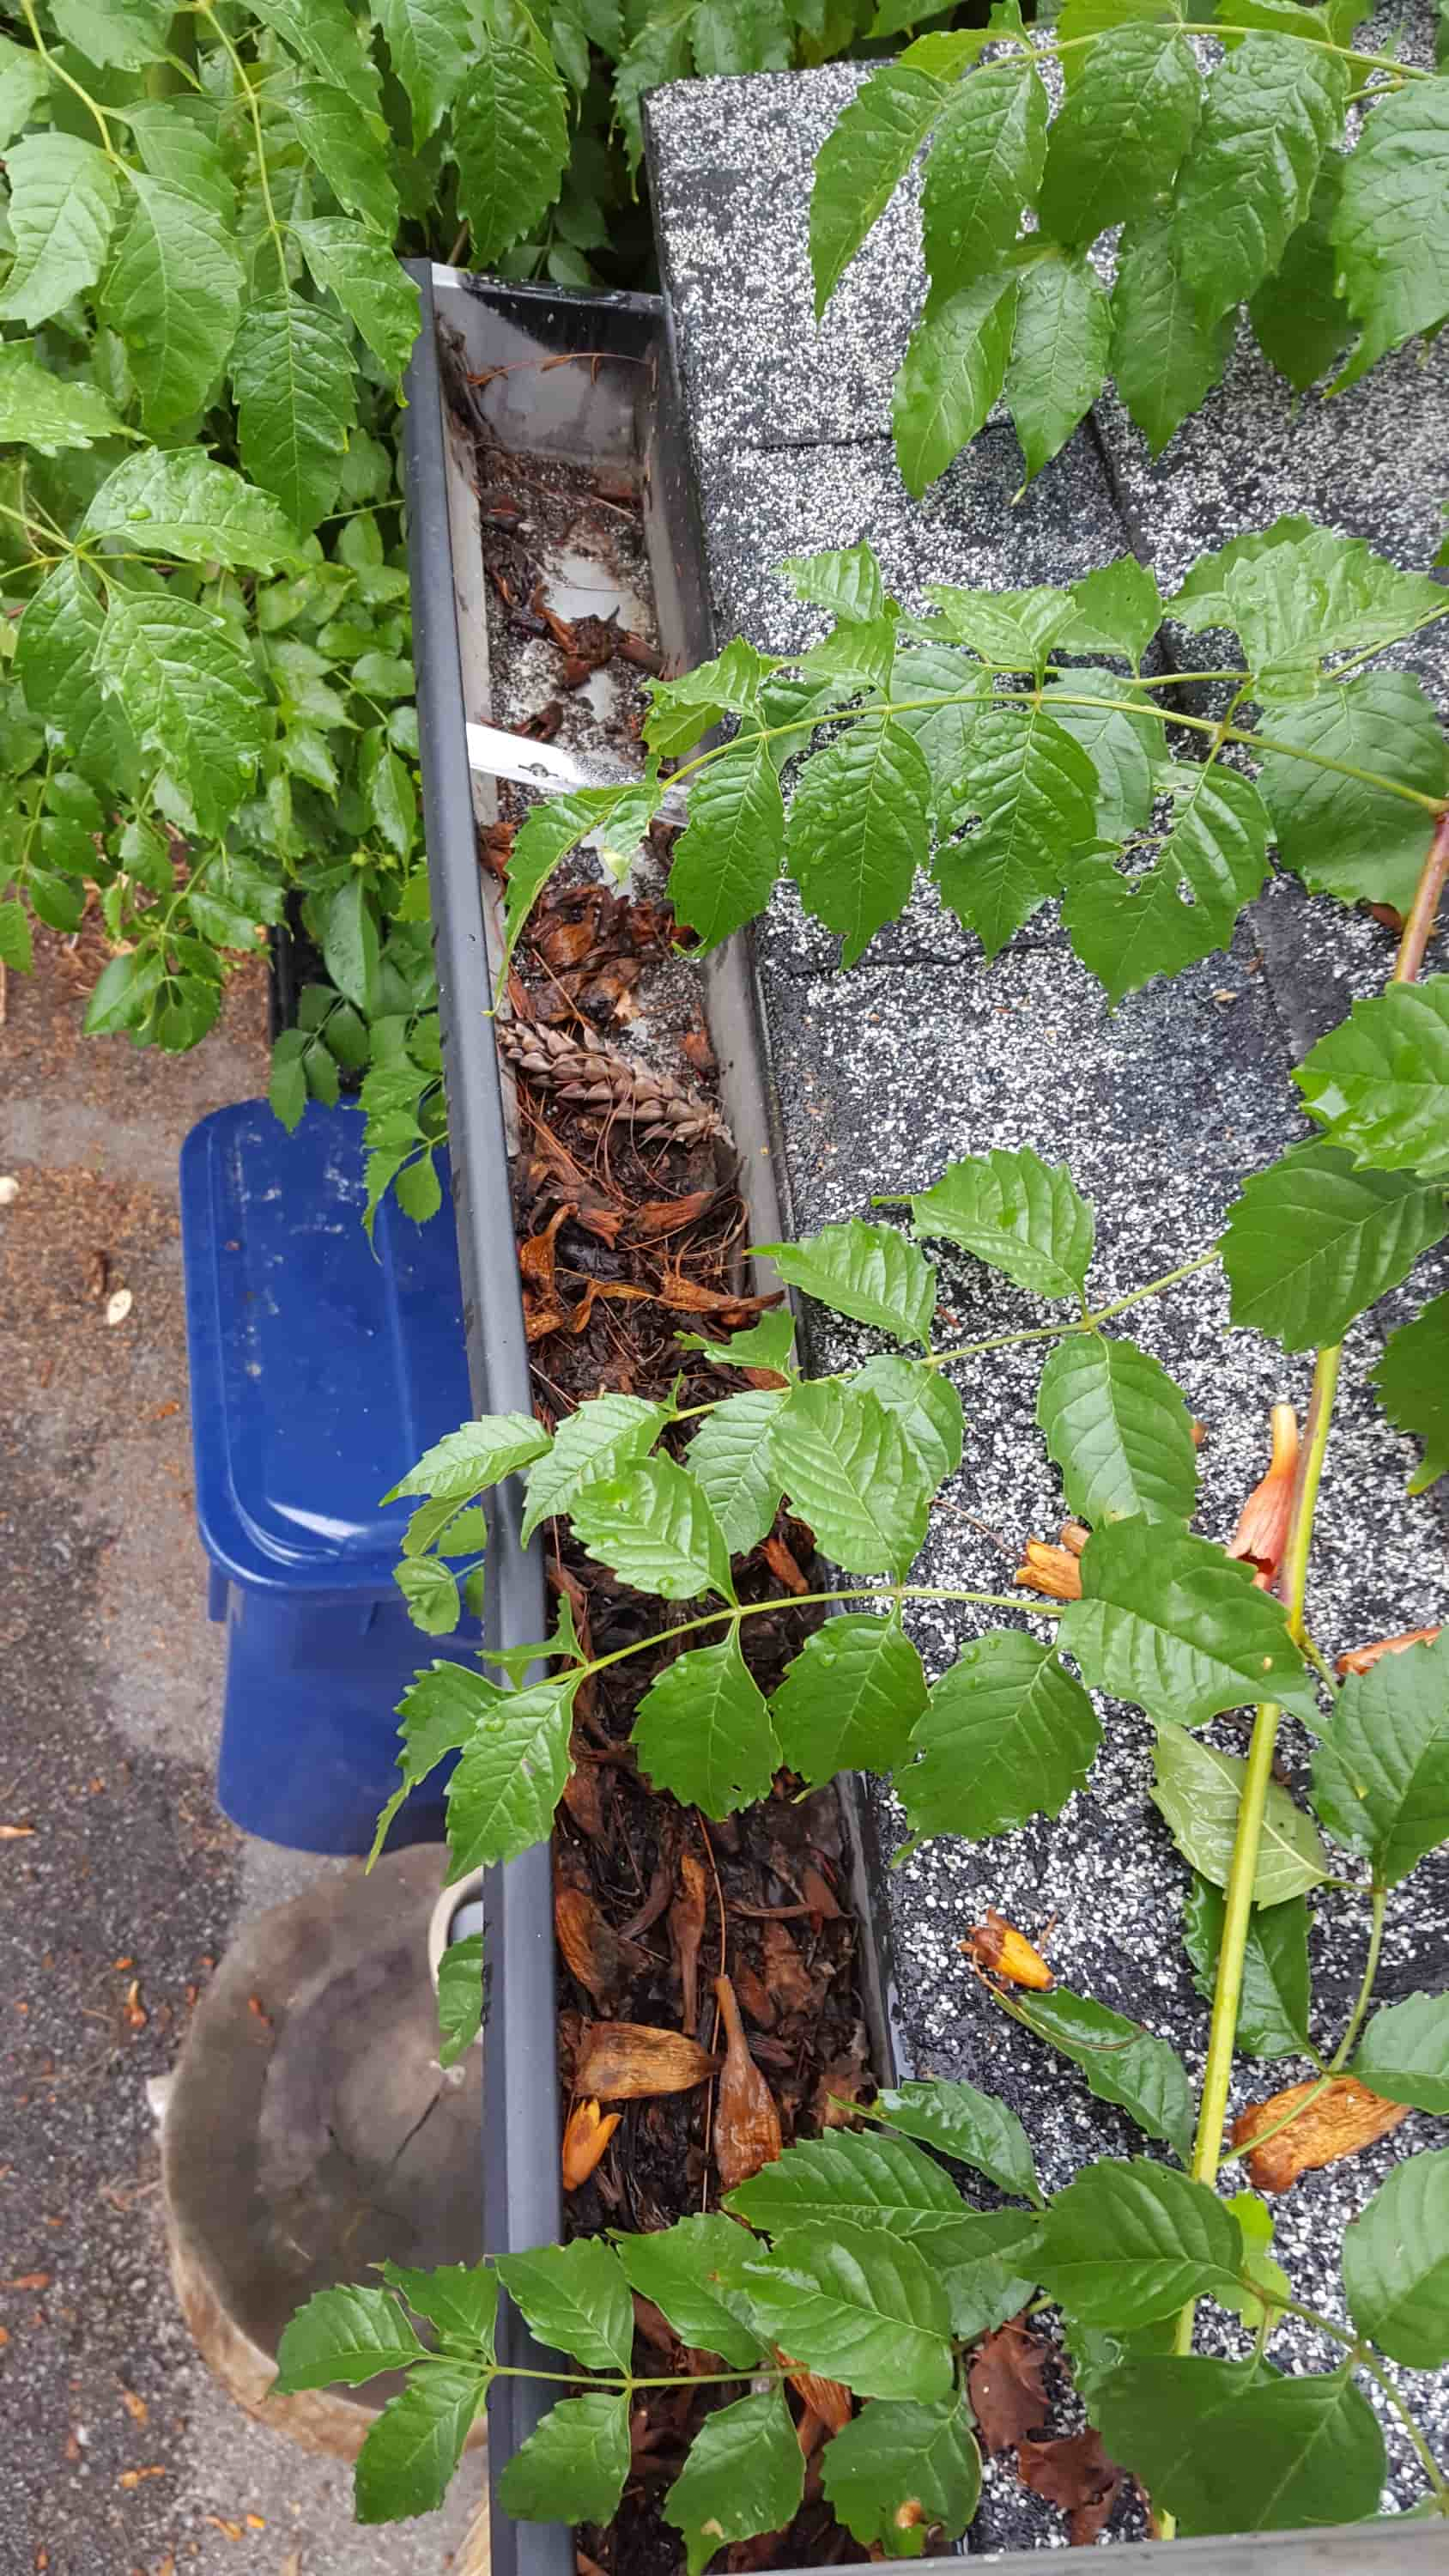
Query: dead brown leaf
{"points": [[785, 1972], [754, 1995], [818, 1893], [590, 1945], [621, 2061], [669, 1216], [1361, 1659], [1075, 2473], [1342, 2119], [1006, 2387], [686, 1931], [746, 2122]]}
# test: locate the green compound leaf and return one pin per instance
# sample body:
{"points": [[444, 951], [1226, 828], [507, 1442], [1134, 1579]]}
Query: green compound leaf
{"points": [[1121, 748], [953, 370], [467, 1461], [727, 860], [189, 690], [681, 710], [178, 140], [857, 830], [183, 503], [1014, 629], [987, 2267], [349, 146], [1343, 837], [325, 34], [1059, 354], [680, 2268], [62, 207], [861, 164], [1126, 929], [460, 2299], [510, 1777], [1273, 108], [1034, 789], [1381, 1767], [1128, 116], [1413, 1383], [1396, 2264], [1225, 2448], [1300, 320], [745, 2474], [847, 581], [1404, 2054], [849, 1699], [856, 2305], [1311, 1243], [729, 1458], [55, 650], [373, 291], [985, 165], [1170, 1623], [655, 1528], [441, 1712], [1122, 2062], [41, 410], [598, 1443], [925, 1404], [1273, 2013], [948, 692], [1017, 1214], [1119, 1430], [1199, 1791], [1392, 230], [1127, 2243], [1297, 593], [898, 2470], [1379, 1082], [621, 815], [1164, 357], [408, 2459], [430, 42], [870, 1272], [1118, 610], [703, 1731], [850, 1471], [1009, 1733], [296, 401], [510, 140], [768, 1343], [959, 2121], [868, 2181], [460, 1997], [576, 2299], [174, 294], [573, 2466], [431, 1594], [343, 2337]]}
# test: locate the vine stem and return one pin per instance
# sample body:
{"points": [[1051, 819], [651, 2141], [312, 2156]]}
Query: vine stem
{"points": [[58, 72], [1221, 29], [1424, 910], [803, 1601]]}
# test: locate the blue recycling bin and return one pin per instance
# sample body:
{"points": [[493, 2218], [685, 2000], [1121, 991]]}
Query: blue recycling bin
{"points": [[319, 1374]]}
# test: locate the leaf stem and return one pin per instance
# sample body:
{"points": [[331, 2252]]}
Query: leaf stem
{"points": [[206, 10], [803, 1601], [58, 71], [1341, 2054], [1423, 912], [1427, 2461]]}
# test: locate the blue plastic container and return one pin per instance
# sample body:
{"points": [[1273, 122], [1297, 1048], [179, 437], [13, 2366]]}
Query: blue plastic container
{"points": [[319, 1374]]}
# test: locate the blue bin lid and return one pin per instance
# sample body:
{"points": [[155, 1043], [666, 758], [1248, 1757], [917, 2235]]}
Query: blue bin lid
{"points": [[319, 1374]]}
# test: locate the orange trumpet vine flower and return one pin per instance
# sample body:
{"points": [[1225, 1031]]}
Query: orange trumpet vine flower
{"points": [[1262, 1531]]}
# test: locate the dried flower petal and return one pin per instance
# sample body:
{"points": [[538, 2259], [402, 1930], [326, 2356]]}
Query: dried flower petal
{"points": [[623, 2060], [1073, 1535], [746, 2122], [585, 2141], [998, 1946], [824, 2397], [686, 1931], [1053, 1570], [1342, 2118], [1262, 1531], [1361, 1659]]}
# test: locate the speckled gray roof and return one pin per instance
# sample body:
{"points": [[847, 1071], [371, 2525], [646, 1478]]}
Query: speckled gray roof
{"points": [[924, 1053]]}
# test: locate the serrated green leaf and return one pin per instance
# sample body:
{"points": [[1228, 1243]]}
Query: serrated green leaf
{"points": [[350, 944], [41, 410], [24, 82], [430, 42], [936, 695], [1129, 2242], [1059, 354], [16, 946], [926, 1405], [856, 2305], [1310, 1243], [1300, 320], [857, 653], [660, 52], [1118, 609], [510, 1777], [1167, 1621], [325, 34], [1273, 108], [460, 2299], [1120, 747], [726, 862], [296, 400], [576, 2299], [1164, 357], [555, 827], [850, 1472], [731, 37], [745, 2474], [1014, 629], [377, 295], [174, 295], [653, 1525], [1404, 2054], [1129, 114], [703, 1731], [680, 2268], [408, 2458], [1344, 837], [1122, 2062], [1119, 1430], [1396, 2264], [1413, 1383], [1298, 593], [1008, 1734], [1379, 1083], [985, 165], [349, 144], [1019, 1215], [1273, 2012], [1226, 2448], [899, 2469], [431, 1594], [768, 1343], [987, 2267], [572, 2467], [866, 2181], [971, 2126], [857, 830], [598, 1441], [1200, 1791], [849, 1699], [63, 201], [178, 142], [847, 581], [182, 502], [861, 164], [953, 370], [1034, 789], [1128, 929], [460, 1997], [1392, 228], [386, 782], [1381, 1767], [1271, 2285], [343, 2337], [729, 1456], [869, 1272], [189, 691], [510, 140], [480, 1454]]}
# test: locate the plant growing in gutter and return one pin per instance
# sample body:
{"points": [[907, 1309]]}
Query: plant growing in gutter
{"points": [[850, 2257]]}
